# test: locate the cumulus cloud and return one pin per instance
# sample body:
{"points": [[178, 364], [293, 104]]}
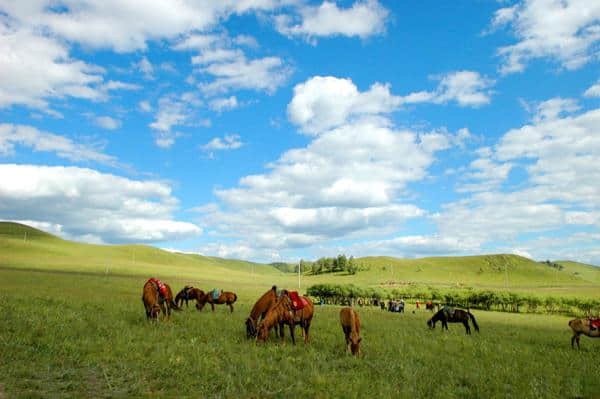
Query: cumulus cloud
{"points": [[40, 141], [593, 90], [171, 112], [85, 203], [565, 30], [229, 142], [362, 19], [323, 102], [35, 68], [557, 154]]}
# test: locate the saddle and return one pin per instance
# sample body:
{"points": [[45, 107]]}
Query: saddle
{"points": [[216, 294], [594, 323], [160, 286], [449, 311], [298, 302]]}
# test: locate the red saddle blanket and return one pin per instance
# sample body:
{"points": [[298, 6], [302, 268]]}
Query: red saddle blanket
{"points": [[159, 285], [595, 322], [298, 302]]}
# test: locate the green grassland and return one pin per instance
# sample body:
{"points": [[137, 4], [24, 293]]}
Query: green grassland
{"points": [[72, 335], [73, 326]]}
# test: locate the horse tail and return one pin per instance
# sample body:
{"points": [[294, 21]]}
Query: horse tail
{"points": [[473, 320], [274, 288], [234, 297]]}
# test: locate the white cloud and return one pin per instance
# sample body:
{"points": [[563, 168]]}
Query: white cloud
{"points": [[362, 19], [221, 104], [145, 106], [229, 142], [86, 203], [237, 72], [124, 26], [117, 85], [560, 189], [31, 137], [146, 68], [107, 122], [323, 102], [565, 30], [593, 90], [171, 112], [35, 68]]}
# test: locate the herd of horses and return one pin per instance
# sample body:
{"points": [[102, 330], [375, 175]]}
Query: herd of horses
{"points": [[276, 309]]}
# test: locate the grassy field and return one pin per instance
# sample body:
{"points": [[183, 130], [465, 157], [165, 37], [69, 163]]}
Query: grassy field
{"points": [[76, 335], [73, 325]]}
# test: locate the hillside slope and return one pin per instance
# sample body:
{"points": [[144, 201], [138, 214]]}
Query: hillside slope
{"points": [[24, 247]]}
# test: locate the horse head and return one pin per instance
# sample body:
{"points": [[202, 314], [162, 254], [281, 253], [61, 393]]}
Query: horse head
{"points": [[250, 328], [355, 344], [430, 323], [155, 311], [262, 333]]}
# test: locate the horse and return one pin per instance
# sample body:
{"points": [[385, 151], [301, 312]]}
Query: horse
{"points": [[429, 305], [351, 327], [188, 293], [582, 326], [154, 302], [259, 310], [282, 313], [225, 297], [459, 316]]}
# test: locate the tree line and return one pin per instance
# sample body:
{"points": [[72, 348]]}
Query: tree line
{"points": [[504, 301]]}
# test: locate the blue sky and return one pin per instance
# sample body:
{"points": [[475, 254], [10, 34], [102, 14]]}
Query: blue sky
{"points": [[284, 129]]}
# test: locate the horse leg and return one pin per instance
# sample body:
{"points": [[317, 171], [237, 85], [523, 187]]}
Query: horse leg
{"points": [[281, 331], [467, 328], [292, 333], [231, 307], [306, 328], [212, 306]]}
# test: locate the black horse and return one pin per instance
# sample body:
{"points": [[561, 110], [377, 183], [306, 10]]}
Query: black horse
{"points": [[458, 316]]}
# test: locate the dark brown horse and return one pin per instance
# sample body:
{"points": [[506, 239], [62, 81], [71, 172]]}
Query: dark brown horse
{"points": [[458, 316], [259, 310], [154, 302], [282, 313], [351, 327], [188, 293], [582, 326], [225, 297]]}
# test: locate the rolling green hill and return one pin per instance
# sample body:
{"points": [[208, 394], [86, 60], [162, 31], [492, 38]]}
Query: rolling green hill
{"points": [[23, 247]]}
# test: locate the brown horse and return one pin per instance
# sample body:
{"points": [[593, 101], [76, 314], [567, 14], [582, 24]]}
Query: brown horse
{"points": [[188, 293], [282, 313], [458, 316], [351, 327], [582, 326], [155, 303], [259, 310], [226, 297]]}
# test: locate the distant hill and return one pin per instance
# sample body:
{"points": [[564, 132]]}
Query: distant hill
{"points": [[27, 248], [24, 247]]}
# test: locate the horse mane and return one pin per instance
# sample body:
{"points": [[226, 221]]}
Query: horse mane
{"points": [[258, 307], [279, 311]]}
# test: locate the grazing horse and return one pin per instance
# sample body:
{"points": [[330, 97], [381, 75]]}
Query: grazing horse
{"points": [[158, 297], [459, 316], [187, 294], [351, 327], [583, 326], [259, 310], [225, 297], [282, 313]]}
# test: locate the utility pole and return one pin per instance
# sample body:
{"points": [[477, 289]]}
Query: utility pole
{"points": [[299, 267]]}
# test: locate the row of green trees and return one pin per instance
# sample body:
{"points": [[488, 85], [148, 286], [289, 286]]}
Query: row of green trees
{"points": [[329, 265], [469, 298]]}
